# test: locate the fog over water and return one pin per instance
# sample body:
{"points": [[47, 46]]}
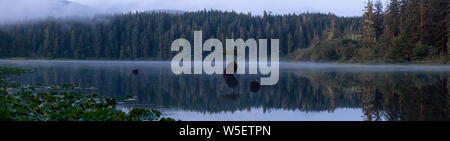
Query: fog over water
{"points": [[305, 91]]}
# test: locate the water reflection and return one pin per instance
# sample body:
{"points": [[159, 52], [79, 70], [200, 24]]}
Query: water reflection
{"points": [[380, 92]]}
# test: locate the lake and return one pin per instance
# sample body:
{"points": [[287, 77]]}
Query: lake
{"points": [[304, 92]]}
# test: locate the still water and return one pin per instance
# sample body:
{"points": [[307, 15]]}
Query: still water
{"points": [[304, 92]]}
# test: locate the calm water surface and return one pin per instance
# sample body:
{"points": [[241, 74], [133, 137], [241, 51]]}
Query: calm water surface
{"points": [[305, 91]]}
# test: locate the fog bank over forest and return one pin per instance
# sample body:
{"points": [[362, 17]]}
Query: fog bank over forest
{"points": [[23, 10]]}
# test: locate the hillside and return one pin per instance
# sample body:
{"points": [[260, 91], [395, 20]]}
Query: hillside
{"points": [[23, 10]]}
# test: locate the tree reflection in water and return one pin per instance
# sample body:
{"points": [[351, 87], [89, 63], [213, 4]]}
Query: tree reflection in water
{"points": [[382, 95]]}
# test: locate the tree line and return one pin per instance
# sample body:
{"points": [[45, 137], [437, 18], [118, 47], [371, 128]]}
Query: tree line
{"points": [[149, 35], [403, 31], [400, 31], [407, 30]]}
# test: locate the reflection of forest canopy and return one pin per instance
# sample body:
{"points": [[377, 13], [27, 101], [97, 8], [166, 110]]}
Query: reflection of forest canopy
{"points": [[393, 95], [381, 95]]}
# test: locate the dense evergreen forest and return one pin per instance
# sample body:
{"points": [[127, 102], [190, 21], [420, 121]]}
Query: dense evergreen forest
{"points": [[149, 35], [402, 31]]}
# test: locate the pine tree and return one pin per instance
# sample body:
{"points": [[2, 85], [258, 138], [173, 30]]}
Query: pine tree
{"points": [[135, 42], [378, 19], [98, 45], [56, 48], [146, 47], [290, 43], [368, 30], [73, 43], [392, 21], [109, 47], [410, 26], [46, 46], [441, 25], [332, 28]]}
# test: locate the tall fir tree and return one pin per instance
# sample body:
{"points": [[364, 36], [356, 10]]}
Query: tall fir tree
{"points": [[368, 29]]}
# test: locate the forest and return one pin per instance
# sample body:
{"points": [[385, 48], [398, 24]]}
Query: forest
{"points": [[397, 32]]}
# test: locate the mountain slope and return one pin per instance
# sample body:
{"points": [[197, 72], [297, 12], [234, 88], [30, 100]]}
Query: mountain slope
{"points": [[19, 10]]}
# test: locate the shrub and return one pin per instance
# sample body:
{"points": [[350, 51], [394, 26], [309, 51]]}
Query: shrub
{"points": [[420, 52]]}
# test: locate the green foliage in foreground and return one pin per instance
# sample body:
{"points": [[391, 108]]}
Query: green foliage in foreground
{"points": [[11, 71], [22, 103]]}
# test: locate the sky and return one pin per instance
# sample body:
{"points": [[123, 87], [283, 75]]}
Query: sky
{"points": [[338, 7], [22, 10]]}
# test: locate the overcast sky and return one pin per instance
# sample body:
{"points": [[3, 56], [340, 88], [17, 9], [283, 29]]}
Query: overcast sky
{"points": [[339, 7], [20, 10]]}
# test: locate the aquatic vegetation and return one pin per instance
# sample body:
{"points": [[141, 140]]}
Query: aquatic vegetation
{"points": [[62, 104], [11, 71]]}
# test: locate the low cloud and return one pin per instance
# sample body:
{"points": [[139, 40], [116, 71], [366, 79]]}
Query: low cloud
{"points": [[19, 10], [338, 7]]}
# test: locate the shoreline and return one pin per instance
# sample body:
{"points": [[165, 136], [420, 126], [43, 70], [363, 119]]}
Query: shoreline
{"points": [[283, 62], [424, 63]]}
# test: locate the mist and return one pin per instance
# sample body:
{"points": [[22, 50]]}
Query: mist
{"points": [[24, 10], [256, 7]]}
